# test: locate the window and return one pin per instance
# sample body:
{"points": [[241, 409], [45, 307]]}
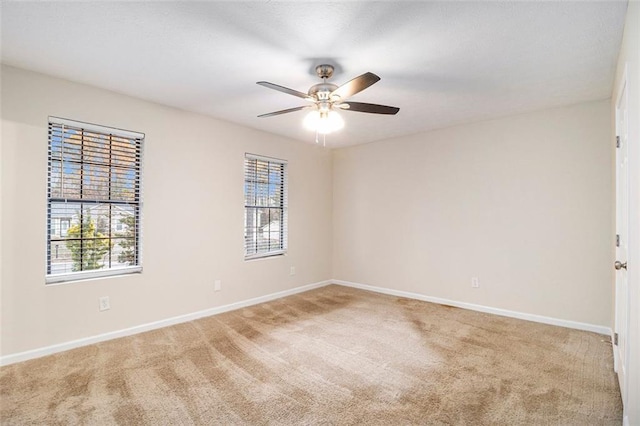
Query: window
{"points": [[265, 206], [93, 201]]}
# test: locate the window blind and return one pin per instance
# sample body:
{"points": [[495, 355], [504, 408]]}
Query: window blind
{"points": [[93, 200], [265, 206]]}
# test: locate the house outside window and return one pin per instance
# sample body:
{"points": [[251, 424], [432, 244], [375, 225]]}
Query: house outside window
{"points": [[94, 200], [265, 206], [64, 226]]}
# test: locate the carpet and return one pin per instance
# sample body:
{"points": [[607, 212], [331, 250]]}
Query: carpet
{"points": [[331, 356]]}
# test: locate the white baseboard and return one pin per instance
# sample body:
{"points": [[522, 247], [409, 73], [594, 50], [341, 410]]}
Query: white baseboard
{"points": [[61, 347], [48, 350], [496, 311]]}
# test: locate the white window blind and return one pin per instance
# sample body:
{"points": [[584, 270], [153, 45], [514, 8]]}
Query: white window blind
{"points": [[93, 201], [265, 206]]}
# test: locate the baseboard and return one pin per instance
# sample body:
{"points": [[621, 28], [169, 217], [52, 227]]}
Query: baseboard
{"points": [[488, 309], [61, 347]]}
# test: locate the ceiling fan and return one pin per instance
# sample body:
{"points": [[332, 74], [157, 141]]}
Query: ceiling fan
{"points": [[328, 98]]}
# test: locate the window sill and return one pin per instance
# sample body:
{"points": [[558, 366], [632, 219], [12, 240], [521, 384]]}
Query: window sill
{"points": [[263, 256], [88, 275]]}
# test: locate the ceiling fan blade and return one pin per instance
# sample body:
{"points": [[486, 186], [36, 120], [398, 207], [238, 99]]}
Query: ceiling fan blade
{"points": [[284, 111], [372, 108], [354, 86], [285, 90]]}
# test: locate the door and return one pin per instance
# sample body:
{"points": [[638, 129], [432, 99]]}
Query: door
{"points": [[622, 240]]}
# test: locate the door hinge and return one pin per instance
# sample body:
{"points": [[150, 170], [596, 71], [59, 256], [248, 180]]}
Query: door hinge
{"points": [[615, 339], [617, 141], [617, 240]]}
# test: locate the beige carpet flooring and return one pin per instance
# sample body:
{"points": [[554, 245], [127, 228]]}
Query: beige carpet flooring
{"points": [[332, 356]]}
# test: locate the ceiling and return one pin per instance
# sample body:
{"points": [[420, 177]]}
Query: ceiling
{"points": [[442, 63]]}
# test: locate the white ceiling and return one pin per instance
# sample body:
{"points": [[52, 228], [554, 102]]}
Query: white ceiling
{"points": [[442, 63]]}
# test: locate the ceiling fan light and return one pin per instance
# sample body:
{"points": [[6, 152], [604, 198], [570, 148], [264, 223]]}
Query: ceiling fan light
{"points": [[334, 121], [312, 120], [323, 123]]}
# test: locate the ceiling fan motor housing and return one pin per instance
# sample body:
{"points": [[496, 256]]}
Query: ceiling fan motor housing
{"points": [[322, 90]]}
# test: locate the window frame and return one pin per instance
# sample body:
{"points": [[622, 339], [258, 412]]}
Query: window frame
{"points": [[283, 208], [62, 202]]}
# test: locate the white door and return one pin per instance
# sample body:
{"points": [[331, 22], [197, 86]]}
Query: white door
{"points": [[622, 240]]}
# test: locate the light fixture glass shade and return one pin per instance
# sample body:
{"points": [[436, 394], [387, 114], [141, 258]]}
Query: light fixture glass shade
{"points": [[323, 122]]}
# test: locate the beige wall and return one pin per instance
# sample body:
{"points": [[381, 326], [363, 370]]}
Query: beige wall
{"points": [[193, 215], [630, 58], [523, 203]]}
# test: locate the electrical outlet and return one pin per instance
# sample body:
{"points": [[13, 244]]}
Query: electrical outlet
{"points": [[475, 283], [292, 271], [103, 303], [217, 285]]}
